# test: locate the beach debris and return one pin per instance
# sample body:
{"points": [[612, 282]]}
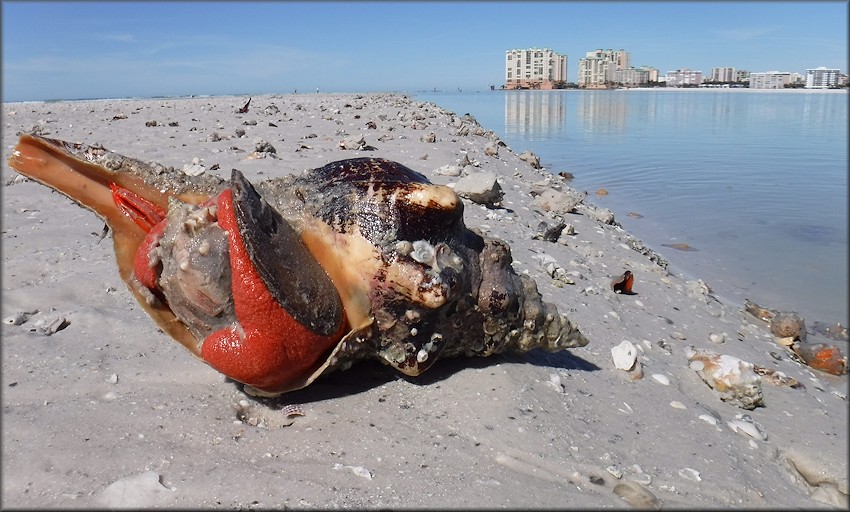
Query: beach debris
{"points": [[788, 326], [261, 146], [195, 168], [690, 474], [531, 159], [558, 202], [244, 108], [136, 491], [50, 327], [744, 424], [716, 337], [151, 123], [430, 137], [637, 495], [566, 175], [625, 358], [776, 377], [634, 215], [553, 268], [623, 284], [355, 143], [624, 355], [482, 188], [448, 170], [357, 470], [680, 247], [601, 192], [734, 379], [406, 284], [549, 232], [19, 318], [661, 379], [602, 215], [789, 330], [491, 150], [271, 110], [823, 357]]}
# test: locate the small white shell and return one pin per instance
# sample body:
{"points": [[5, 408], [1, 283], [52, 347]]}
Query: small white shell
{"points": [[690, 474], [743, 424], [624, 355], [716, 337], [678, 405], [661, 378], [708, 418]]}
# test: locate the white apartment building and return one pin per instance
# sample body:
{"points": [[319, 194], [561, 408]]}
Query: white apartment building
{"points": [[770, 80], [631, 77], [723, 75], [597, 69], [534, 68], [821, 78], [682, 77]]}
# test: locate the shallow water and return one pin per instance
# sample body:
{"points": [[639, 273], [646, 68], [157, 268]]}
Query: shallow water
{"points": [[755, 181]]}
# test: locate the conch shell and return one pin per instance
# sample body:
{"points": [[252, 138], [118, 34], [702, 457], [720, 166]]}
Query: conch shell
{"points": [[276, 284]]}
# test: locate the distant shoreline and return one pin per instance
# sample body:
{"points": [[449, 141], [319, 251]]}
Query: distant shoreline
{"points": [[410, 93]]}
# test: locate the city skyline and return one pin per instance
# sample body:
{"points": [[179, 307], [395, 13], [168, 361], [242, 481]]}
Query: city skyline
{"points": [[70, 50]]}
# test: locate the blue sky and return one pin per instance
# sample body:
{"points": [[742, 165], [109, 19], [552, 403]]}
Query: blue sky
{"points": [[66, 50]]}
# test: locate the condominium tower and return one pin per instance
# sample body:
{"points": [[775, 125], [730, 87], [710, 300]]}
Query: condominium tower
{"points": [[598, 68], [534, 68], [821, 78]]}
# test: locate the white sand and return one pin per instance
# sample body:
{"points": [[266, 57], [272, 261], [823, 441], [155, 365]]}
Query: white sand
{"points": [[494, 432]]}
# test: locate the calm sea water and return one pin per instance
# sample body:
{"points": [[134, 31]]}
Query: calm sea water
{"points": [[754, 181]]}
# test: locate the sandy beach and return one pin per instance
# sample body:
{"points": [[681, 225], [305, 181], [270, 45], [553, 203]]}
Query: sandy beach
{"points": [[108, 411]]}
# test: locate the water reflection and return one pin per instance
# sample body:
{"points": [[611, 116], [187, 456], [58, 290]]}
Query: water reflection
{"points": [[535, 113], [603, 111]]}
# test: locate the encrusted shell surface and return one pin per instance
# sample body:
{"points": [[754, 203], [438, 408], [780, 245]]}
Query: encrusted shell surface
{"points": [[733, 378]]}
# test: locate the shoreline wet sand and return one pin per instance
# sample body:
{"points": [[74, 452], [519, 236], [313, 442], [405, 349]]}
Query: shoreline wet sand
{"points": [[109, 402]]}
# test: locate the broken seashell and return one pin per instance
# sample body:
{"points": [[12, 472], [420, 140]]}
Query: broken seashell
{"points": [[744, 424], [661, 379], [623, 284], [776, 377], [690, 474], [823, 357], [716, 337], [788, 324], [637, 495], [733, 378], [624, 355]]}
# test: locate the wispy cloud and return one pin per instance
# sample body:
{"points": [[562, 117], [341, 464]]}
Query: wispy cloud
{"points": [[747, 33], [118, 38]]}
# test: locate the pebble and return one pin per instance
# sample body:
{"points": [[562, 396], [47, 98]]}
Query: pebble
{"points": [[678, 336], [113, 379]]}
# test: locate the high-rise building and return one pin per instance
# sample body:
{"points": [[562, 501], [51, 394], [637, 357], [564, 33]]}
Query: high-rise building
{"points": [[534, 68], [770, 80], [821, 78], [684, 77], [723, 75], [598, 68]]}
